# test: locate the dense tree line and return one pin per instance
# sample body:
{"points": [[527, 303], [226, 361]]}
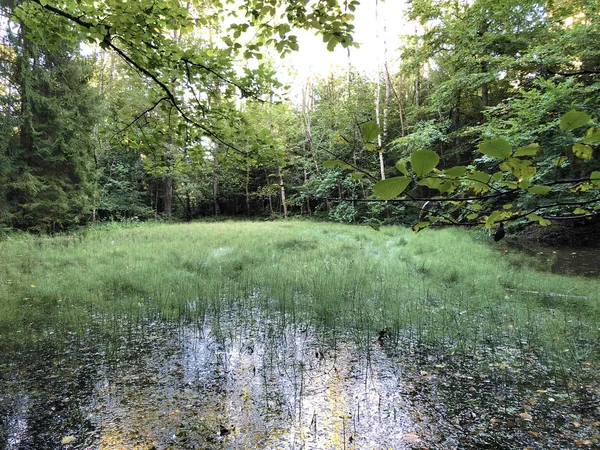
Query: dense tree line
{"points": [[179, 121]]}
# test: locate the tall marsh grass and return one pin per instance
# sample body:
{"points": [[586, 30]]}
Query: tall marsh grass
{"points": [[439, 286]]}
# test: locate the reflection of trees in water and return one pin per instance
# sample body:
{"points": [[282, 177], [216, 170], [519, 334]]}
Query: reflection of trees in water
{"points": [[583, 261], [46, 386], [245, 382]]}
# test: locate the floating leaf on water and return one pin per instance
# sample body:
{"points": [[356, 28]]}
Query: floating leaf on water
{"points": [[583, 442], [67, 440], [412, 437]]}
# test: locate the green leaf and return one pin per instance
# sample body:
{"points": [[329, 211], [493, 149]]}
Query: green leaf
{"points": [[341, 139], [419, 226], [558, 161], [507, 206], [495, 148], [391, 187], [540, 190], [357, 176], [371, 147], [521, 169], [401, 166], [472, 216], [528, 150], [370, 131], [524, 184], [582, 151], [375, 226], [495, 217], [595, 178], [592, 136], [539, 219], [432, 183], [580, 211], [336, 163], [456, 171], [573, 119], [479, 181], [424, 161]]}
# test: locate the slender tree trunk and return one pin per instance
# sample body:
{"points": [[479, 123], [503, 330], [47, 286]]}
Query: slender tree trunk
{"points": [[188, 207], [216, 209], [168, 197], [282, 192], [247, 187], [378, 96]]}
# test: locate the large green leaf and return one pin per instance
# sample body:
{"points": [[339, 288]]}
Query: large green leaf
{"points": [[479, 181], [592, 136], [456, 171], [495, 148], [521, 169], [424, 161], [573, 119], [540, 190], [595, 178], [391, 187], [528, 150], [582, 151], [401, 166], [370, 131]]}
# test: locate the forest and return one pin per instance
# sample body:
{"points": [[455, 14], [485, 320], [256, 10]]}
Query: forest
{"points": [[206, 245], [146, 110]]}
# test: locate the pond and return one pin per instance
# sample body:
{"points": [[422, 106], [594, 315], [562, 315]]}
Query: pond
{"points": [[582, 261], [246, 379]]}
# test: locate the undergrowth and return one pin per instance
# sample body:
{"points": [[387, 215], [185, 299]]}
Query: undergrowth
{"points": [[438, 287]]}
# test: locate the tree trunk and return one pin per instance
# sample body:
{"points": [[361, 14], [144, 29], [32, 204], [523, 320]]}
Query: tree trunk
{"points": [[282, 192], [216, 208], [188, 207], [168, 197], [247, 187], [378, 96]]}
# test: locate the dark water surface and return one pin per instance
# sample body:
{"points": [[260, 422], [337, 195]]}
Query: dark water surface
{"points": [[582, 261], [241, 382], [249, 380]]}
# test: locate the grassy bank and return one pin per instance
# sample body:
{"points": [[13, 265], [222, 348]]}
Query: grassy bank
{"points": [[440, 286]]}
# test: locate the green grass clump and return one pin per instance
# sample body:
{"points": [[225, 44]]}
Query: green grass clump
{"points": [[439, 286]]}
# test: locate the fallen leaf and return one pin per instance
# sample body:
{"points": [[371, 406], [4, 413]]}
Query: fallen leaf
{"points": [[534, 433], [526, 416], [412, 437], [576, 424], [67, 440], [582, 442]]}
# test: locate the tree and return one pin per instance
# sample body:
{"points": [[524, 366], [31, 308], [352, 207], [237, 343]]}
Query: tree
{"points": [[49, 114]]}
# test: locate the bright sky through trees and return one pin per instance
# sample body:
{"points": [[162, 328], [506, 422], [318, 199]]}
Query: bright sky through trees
{"points": [[313, 58]]}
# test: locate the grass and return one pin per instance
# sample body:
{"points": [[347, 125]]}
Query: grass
{"points": [[440, 287]]}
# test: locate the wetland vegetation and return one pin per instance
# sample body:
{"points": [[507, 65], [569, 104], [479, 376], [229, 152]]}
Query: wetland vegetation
{"points": [[293, 335]]}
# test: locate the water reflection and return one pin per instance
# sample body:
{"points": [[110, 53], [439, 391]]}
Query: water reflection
{"points": [[583, 261], [248, 381]]}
